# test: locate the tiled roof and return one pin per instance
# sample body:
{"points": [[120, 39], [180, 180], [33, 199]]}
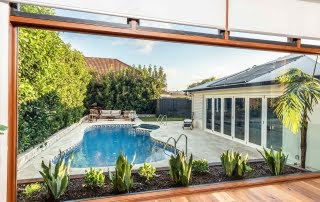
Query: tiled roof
{"points": [[261, 74], [104, 65]]}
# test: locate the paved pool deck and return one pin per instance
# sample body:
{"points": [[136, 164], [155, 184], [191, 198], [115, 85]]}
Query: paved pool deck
{"points": [[200, 143]]}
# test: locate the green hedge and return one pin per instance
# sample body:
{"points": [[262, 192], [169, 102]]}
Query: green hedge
{"points": [[52, 83]]}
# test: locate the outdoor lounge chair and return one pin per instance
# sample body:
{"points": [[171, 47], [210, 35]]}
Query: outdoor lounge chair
{"points": [[187, 123], [94, 114]]}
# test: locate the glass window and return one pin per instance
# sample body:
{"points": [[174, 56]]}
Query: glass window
{"points": [[240, 118], [255, 114], [227, 116], [274, 126], [217, 114], [209, 113]]}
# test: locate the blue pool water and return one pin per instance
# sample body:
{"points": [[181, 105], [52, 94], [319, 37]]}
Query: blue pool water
{"points": [[101, 146]]}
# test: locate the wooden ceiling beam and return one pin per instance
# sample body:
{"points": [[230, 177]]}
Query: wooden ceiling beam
{"points": [[21, 21]]}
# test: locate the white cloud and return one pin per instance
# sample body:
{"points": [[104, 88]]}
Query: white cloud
{"points": [[144, 46], [119, 42]]}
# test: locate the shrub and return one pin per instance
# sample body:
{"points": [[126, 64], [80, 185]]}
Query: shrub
{"points": [[56, 179], [122, 179], [275, 161], [180, 170], [147, 171], [32, 188], [52, 83], [235, 164], [200, 166], [94, 178]]}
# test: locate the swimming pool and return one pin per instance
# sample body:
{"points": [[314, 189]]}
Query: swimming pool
{"points": [[101, 145]]}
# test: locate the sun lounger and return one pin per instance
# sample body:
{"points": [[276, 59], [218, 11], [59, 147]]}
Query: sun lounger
{"points": [[187, 123]]}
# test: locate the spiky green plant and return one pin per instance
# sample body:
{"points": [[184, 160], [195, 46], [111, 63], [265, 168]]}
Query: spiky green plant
{"points": [[229, 161], [3, 128], [242, 166], [180, 170], [56, 179], [147, 171], [275, 160], [301, 94], [122, 180], [32, 189], [94, 178], [235, 164]]}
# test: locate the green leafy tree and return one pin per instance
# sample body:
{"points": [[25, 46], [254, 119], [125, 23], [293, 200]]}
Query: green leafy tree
{"points": [[133, 88], [53, 80], [301, 94], [202, 82]]}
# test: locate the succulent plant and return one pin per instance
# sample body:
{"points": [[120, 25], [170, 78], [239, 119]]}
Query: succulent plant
{"points": [[122, 179], [56, 179], [180, 170], [275, 160]]}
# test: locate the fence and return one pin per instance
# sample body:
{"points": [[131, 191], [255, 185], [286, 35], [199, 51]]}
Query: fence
{"points": [[174, 107]]}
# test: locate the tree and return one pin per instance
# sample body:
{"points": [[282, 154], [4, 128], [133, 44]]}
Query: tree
{"points": [[202, 82], [301, 94], [132, 88]]}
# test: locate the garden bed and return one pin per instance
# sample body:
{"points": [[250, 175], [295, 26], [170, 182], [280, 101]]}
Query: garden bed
{"points": [[216, 174]]}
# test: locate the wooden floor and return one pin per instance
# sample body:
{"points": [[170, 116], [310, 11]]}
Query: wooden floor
{"points": [[304, 190]]}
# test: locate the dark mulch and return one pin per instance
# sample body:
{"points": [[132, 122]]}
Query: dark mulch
{"points": [[76, 190]]}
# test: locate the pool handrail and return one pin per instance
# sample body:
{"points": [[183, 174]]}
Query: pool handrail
{"points": [[159, 117], [164, 116], [175, 144]]}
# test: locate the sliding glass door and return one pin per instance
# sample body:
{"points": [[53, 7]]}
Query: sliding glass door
{"points": [[274, 126], [209, 113], [240, 119], [217, 115], [227, 116], [255, 120]]}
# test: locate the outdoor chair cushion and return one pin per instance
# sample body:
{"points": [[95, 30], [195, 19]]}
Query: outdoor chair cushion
{"points": [[187, 121], [116, 112], [105, 112]]}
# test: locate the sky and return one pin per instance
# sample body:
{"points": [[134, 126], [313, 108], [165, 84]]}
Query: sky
{"points": [[183, 63]]}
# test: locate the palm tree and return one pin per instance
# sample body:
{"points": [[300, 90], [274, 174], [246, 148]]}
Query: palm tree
{"points": [[301, 94]]}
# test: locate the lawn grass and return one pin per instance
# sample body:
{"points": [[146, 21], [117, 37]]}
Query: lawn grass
{"points": [[154, 119]]}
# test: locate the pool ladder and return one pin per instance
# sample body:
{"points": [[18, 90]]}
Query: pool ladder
{"points": [[161, 118], [175, 141]]}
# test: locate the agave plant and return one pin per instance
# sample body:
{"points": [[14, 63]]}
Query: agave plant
{"points": [[229, 161], [242, 165], [275, 160], [122, 179], [235, 164], [180, 170], [56, 179]]}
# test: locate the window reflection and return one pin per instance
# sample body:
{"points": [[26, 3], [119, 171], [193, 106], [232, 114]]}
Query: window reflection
{"points": [[217, 114], [227, 116], [274, 126], [240, 118], [209, 113], [255, 112]]}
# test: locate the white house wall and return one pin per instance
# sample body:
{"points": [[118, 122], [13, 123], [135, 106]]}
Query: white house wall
{"points": [[313, 141], [197, 107], [291, 142]]}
